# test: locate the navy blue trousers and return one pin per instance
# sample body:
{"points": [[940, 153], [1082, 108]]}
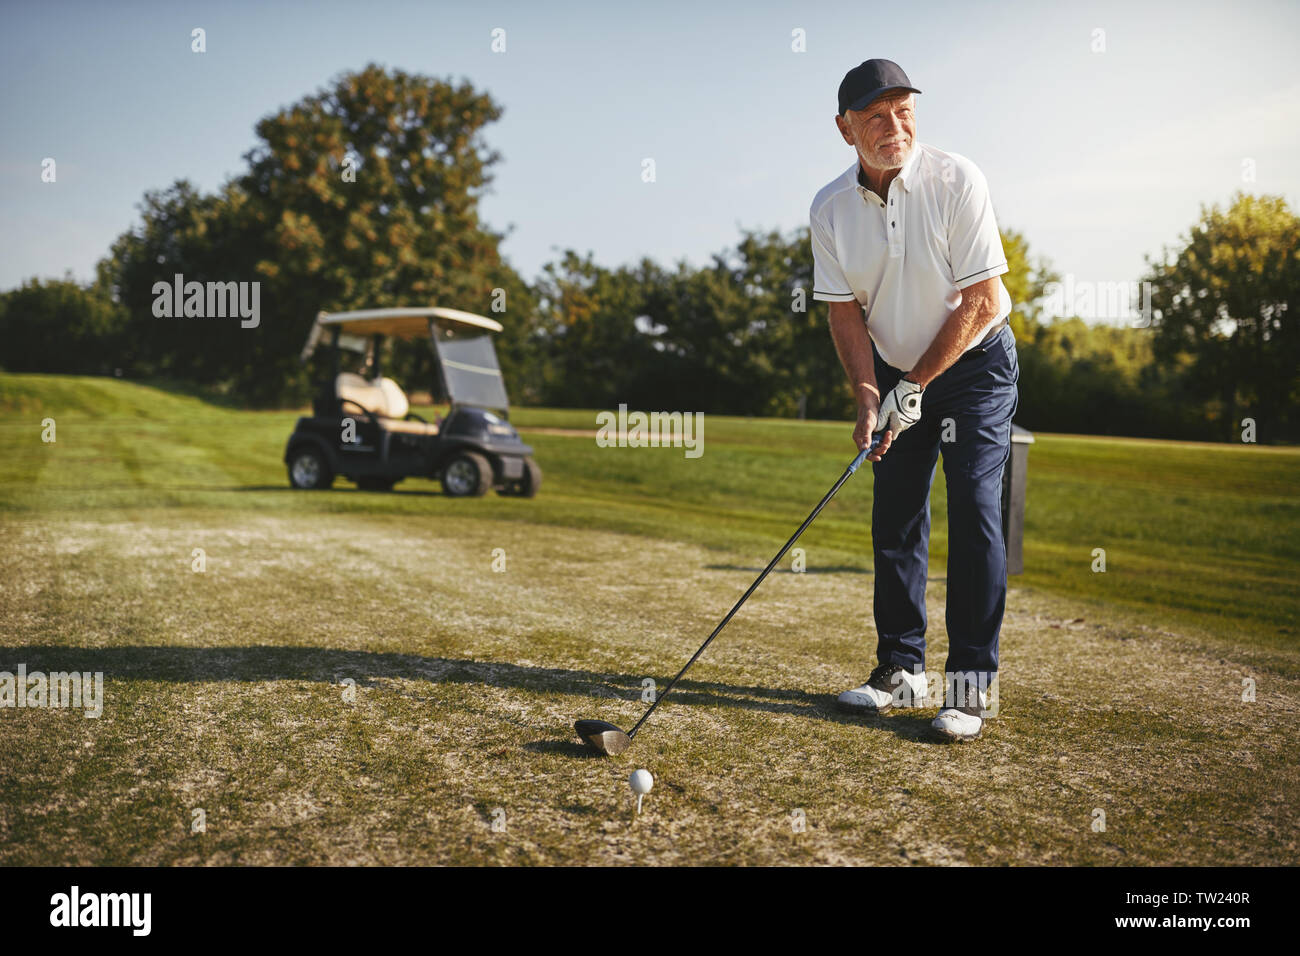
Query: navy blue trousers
{"points": [[965, 414]]}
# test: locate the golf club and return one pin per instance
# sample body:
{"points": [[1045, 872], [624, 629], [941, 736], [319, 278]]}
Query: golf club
{"points": [[604, 737]]}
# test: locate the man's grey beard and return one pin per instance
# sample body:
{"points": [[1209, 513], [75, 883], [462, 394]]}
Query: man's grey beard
{"points": [[884, 169]]}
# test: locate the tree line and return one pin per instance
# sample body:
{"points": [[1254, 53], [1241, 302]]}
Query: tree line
{"points": [[365, 194]]}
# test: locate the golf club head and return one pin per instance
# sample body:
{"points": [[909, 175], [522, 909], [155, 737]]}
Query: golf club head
{"points": [[602, 737]]}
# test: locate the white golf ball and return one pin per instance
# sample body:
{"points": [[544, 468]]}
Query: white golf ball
{"points": [[641, 781]]}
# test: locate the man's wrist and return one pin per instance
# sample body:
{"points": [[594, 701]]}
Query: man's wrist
{"points": [[867, 394]]}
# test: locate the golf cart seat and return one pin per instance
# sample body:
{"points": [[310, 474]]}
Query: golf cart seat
{"points": [[383, 398]]}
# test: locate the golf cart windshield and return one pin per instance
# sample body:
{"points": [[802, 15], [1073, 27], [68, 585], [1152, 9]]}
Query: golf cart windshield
{"points": [[470, 374]]}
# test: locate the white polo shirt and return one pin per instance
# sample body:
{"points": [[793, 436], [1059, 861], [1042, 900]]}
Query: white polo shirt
{"points": [[906, 257]]}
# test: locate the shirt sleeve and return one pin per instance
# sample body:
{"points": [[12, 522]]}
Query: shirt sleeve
{"points": [[829, 283], [974, 244]]}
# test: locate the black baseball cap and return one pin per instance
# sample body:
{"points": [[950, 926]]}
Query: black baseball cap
{"points": [[869, 79]]}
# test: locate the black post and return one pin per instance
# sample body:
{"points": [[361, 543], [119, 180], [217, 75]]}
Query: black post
{"points": [[1015, 479]]}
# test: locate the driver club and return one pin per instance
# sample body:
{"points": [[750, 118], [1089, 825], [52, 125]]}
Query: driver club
{"points": [[607, 739]]}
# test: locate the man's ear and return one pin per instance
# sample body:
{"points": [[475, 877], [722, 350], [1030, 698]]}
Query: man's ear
{"points": [[843, 126]]}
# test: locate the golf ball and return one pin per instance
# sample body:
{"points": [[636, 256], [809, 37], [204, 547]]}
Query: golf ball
{"points": [[641, 781]]}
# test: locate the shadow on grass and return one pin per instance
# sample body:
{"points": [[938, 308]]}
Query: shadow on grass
{"points": [[261, 663]]}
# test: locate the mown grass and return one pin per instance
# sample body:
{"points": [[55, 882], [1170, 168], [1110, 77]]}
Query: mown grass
{"points": [[1122, 691], [1203, 535]]}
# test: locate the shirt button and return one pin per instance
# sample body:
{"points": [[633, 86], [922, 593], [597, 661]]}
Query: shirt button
{"points": [[892, 224]]}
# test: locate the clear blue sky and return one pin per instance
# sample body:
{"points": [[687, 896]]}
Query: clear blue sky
{"points": [[1097, 157]]}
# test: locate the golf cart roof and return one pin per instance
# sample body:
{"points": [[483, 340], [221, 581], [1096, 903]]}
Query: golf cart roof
{"points": [[403, 324]]}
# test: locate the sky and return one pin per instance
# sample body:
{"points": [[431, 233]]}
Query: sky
{"points": [[1102, 128]]}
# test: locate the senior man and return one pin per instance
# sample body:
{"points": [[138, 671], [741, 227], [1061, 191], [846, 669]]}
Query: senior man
{"points": [[907, 253]]}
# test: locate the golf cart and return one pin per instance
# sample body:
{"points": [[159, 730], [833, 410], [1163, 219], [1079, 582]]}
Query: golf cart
{"points": [[362, 426]]}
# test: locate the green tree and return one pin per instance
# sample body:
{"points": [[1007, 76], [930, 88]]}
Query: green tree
{"points": [[203, 238], [740, 335], [1225, 311], [1026, 279], [58, 326], [590, 347], [364, 194], [369, 192]]}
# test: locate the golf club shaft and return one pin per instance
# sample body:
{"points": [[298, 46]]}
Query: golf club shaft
{"points": [[853, 466]]}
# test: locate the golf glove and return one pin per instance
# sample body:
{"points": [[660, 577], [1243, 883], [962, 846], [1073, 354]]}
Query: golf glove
{"points": [[901, 408]]}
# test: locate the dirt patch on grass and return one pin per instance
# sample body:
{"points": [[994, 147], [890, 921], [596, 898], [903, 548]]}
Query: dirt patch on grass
{"points": [[356, 689]]}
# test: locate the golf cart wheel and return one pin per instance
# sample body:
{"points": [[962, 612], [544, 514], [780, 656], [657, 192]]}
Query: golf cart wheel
{"points": [[373, 483], [468, 475], [309, 470], [525, 487]]}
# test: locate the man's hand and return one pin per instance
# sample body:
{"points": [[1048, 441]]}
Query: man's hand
{"points": [[901, 408], [868, 416]]}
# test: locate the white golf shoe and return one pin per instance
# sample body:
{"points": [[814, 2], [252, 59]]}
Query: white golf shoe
{"points": [[962, 717], [890, 685]]}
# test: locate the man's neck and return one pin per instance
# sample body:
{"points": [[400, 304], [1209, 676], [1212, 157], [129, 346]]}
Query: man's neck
{"points": [[877, 180]]}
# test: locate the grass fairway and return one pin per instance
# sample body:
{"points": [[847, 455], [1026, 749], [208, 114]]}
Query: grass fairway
{"points": [[349, 682]]}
